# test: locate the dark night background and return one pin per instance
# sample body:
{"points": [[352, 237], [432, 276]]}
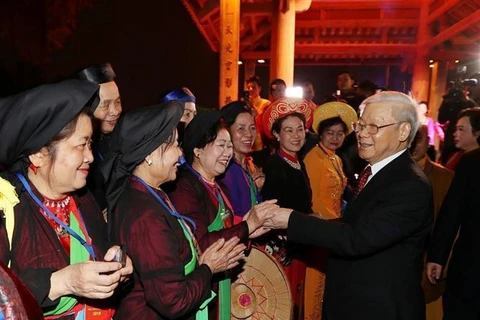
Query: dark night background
{"points": [[152, 45]]}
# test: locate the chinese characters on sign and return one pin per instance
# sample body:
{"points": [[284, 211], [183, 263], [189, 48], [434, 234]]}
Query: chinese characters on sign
{"points": [[229, 50]]}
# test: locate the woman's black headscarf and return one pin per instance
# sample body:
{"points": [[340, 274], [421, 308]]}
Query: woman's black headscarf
{"points": [[29, 120], [137, 134], [197, 129]]}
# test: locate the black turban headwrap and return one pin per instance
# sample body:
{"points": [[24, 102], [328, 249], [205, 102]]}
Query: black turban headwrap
{"points": [[97, 74], [233, 109], [136, 135], [29, 120], [197, 129]]}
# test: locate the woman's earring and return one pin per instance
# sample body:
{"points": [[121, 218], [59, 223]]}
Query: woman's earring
{"points": [[148, 161], [33, 168]]}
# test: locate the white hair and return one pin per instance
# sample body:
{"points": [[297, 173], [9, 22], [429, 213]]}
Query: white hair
{"points": [[403, 107]]}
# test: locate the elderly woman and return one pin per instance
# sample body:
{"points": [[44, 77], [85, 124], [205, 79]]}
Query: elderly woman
{"points": [[106, 114], [466, 135], [286, 180], [332, 122], [57, 243], [172, 274], [208, 149], [242, 179]]}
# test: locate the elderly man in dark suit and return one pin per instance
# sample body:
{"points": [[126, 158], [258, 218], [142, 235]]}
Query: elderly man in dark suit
{"points": [[460, 211], [375, 267]]}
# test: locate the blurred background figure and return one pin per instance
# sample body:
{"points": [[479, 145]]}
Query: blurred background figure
{"points": [[346, 91], [457, 226], [453, 103], [277, 89], [434, 129], [308, 91], [254, 87], [186, 96], [440, 178], [367, 88], [466, 135]]}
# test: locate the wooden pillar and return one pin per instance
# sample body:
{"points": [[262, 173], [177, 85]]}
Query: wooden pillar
{"points": [[283, 41], [421, 69], [229, 50], [438, 86]]}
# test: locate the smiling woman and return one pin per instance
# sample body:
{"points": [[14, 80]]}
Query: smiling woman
{"points": [[208, 149], [173, 276], [286, 180], [242, 178], [58, 245]]}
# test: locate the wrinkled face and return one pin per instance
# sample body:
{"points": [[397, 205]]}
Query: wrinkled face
{"points": [[344, 82], [278, 91], [333, 137], [109, 108], [243, 132], [464, 137], [292, 134], [253, 90], [215, 156], [419, 151], [308, 92], [387, 141], [165, 161], [189, 113], [69, 171]]}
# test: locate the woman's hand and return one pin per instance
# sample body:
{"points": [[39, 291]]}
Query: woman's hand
{"points": [[116, 252], [258, 178], [223, 255], [256, 217], [91, 279]]}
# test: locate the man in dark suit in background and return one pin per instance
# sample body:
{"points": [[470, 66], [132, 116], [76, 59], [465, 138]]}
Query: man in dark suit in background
{"points": [[460, 210], [376, 262]]}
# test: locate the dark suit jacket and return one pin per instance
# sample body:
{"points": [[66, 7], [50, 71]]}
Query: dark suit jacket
{"points": [[440, 178], [376, 262], [460, 209]]}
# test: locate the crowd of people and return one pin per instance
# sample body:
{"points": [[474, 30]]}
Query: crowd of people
{"points": [[149, 214]]}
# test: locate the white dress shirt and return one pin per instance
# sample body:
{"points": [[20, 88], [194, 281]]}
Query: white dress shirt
{"points": [[379, 165]]}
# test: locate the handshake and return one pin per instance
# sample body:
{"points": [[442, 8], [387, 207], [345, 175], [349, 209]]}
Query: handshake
{"points": [[266, 216]]}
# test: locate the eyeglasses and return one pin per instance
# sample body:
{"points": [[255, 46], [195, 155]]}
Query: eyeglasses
{"points": [[371, 128]]}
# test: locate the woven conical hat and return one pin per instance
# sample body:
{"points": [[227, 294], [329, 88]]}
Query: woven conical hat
{"points": [[261, 291]]}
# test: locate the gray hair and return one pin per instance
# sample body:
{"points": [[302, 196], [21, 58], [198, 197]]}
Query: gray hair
{"points": [[403, 107]]}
